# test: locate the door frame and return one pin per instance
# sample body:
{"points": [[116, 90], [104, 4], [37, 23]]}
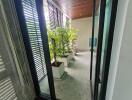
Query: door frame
{"points": [[99, 48], [107, 58], [99, 45], [43, 29], [22, 21]]}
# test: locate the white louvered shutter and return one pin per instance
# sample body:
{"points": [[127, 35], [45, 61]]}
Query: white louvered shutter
{"points": [[10, 86], [52, 16], [7, 87]]}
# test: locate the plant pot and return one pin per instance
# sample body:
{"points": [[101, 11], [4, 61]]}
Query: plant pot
{"points": [[64, 59], [70, 59], [58, 71]]}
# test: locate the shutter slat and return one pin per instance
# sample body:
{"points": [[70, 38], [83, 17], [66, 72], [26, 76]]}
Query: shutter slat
{"points": [[7, 91]]}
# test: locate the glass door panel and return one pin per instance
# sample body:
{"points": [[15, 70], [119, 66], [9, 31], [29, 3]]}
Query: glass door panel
{"points": [[105, 41], [95, 39], [102, 34], [105, 34]]}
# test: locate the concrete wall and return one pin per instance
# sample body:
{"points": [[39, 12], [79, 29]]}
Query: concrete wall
{"points": [[119, 81], [84, 25]]}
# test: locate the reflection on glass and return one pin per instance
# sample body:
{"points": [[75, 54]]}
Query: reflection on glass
{"points": [[105, 33], [105, 38], [44, 86], [96, 26]]}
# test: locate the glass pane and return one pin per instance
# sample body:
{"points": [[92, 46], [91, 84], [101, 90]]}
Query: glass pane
{"points": [[96, 27], [105, 36], [105, 33], [44, 86]]}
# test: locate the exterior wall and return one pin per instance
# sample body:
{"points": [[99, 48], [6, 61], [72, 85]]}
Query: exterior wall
{"points": [[119, 81], [84, 26]]}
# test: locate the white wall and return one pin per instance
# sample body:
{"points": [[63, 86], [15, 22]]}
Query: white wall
{"points": [[120, 75], [84, 25]]}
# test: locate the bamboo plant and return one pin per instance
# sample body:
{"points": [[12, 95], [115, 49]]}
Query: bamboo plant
{"points": [[60, 41], [53, 45], [66, 38]]}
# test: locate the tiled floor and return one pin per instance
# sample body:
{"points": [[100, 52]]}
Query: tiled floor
{"points": [[75, 84]]}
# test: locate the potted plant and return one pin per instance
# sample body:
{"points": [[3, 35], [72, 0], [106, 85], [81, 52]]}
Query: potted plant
{"points": [[72, 37], [66, 36], [57, 66], [63, 54]]}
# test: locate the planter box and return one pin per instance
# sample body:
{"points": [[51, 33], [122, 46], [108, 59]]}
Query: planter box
{"points": [[67, 59], [58, 71], [70, 59], [64, 59]]}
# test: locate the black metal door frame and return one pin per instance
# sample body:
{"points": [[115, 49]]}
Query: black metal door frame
{"points": [[22, 21], [99, 48], [107, 57], [43, 29], [92, 41]]}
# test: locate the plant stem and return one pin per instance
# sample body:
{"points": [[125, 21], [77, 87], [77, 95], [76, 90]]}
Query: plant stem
{"points": [[54, 50]]}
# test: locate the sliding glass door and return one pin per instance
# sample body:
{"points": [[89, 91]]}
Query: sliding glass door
{"points": [[105, 37]]}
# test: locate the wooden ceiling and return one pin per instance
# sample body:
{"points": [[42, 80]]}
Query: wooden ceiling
{"points": [[76, 8]]}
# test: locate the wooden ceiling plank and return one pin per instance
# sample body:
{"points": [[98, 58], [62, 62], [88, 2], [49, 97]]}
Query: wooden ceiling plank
{"points": [[76, 8]]}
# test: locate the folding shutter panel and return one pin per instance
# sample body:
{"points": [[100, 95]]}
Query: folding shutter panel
{"points": [[7, 91], [60, 18], [55, 17], [67, 22], [7, 84], [13, 84], [52, 16], [31, 17]]}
